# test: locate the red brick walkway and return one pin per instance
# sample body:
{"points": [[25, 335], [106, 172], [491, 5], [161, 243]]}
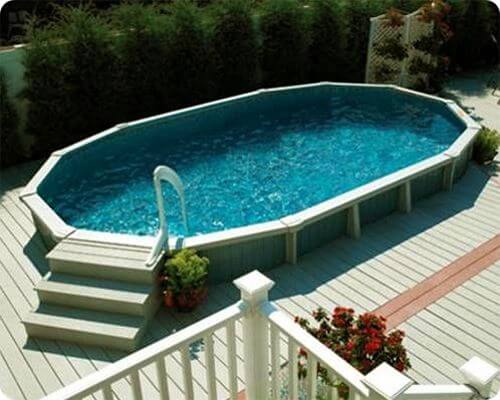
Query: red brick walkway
{"points": [[409, 303]]}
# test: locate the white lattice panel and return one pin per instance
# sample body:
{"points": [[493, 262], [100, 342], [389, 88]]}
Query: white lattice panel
{"points": [[411, 30]]}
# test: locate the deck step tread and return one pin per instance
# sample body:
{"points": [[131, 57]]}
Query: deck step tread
{"points": [[85, 322], [95, 288], [103, 249], [95, 259]]}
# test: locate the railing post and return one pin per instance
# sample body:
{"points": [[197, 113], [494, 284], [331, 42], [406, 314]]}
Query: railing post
{"points": [[386, 382], [254, 289], [480, 375]]}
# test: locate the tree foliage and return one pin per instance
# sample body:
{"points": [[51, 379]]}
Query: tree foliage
{"points": [[70, 85], [189, 67], [88, 70], [9, 141], [282, 26], [235, 47], [326, 58]]}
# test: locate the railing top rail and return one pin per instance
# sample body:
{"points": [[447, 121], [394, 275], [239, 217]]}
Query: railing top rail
{"points": [[455, 392], [342, 368], [135, 361]]}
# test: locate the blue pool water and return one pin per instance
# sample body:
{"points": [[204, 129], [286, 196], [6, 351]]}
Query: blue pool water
{"points": [[249, 162]]}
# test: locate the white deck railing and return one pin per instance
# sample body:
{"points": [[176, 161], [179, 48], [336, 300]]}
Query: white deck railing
{"points": [[264, 327]]}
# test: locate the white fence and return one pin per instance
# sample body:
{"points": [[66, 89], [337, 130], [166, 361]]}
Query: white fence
{"points": [[409, 32], [263, 328]]}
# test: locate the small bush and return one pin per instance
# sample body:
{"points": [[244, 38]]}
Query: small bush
{"points": [[282, 25], [235, 47], [326, 48], [185, 270], [10, 151], [486, 145]]}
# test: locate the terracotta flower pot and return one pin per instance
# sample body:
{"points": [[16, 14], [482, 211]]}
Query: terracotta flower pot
{"points": [[188, 299], [169, 299]]}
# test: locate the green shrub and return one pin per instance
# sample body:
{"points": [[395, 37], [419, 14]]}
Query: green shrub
{"points": [[185, 270], [70, 79], [10, 151], [141, 60], [235, 47], [282, 25], [486, 145], [326, 47], [189, 67]]}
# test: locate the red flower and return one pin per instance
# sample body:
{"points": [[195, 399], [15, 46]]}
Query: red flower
{"points": [[373, 346], [360, 339]]}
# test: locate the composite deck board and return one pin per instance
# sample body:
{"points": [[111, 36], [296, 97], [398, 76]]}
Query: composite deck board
{"points": [[392, 255], [460, 327]]}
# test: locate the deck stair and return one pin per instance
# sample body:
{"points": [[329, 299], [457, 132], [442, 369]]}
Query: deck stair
{"points": [[95, 294]]}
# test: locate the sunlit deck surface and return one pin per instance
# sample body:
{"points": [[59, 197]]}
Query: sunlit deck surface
{"points": [[393, 255]]}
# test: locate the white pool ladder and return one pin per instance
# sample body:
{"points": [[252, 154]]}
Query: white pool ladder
{"points": [[164, 173]]}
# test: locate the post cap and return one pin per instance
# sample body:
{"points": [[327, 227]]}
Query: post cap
{"points": [[254, 282], [478, 372], [387, 381]]}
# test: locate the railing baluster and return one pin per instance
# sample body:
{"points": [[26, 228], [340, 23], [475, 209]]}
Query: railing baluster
{"points": [[162, 378], [354, 394], [186, 373], [231, 359], [312, 375], [210, 365], [136, 385], [275, 362], [333, 393], [293, 379], [107, 392]]}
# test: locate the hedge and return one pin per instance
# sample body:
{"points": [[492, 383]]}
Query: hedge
{"points": [[9, 143], [235, 47], [283, 30], [90, 70]]}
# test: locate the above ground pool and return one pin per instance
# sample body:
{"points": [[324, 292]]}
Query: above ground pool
{"points": [[250, 161], [267, 175]]}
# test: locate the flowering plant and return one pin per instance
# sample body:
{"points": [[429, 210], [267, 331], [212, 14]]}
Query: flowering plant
{"points": [[361, 340]]}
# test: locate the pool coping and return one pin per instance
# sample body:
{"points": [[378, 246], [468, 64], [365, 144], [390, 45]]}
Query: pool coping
{"points": [[59, 230]]}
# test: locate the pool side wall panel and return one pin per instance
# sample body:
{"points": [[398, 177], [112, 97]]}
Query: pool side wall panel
{"points": [[230, 261], [321, 232]]}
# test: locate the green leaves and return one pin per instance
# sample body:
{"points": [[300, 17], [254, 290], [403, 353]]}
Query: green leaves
{"points": [[486, 145], [9, 144], [185, 270], [70, 85], [326, 46], [235, 47], [283, 42]]}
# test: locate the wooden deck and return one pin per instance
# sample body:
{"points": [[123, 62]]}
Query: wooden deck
{"points": [[392, 256]]}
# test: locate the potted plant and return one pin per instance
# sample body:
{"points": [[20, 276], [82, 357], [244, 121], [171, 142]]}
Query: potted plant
{"points": [[184, 280]]}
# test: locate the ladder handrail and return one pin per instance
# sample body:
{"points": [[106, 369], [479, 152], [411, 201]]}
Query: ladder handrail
{"points": [[164, 173]]}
